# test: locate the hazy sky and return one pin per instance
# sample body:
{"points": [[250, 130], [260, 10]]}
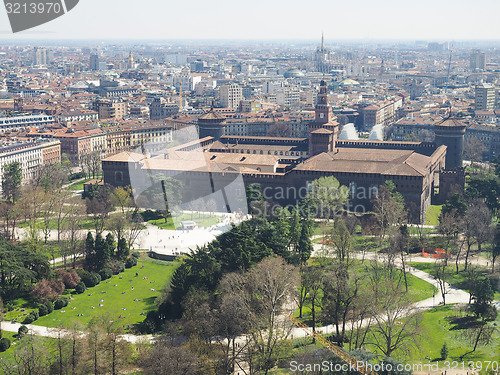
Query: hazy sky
{"points": [[271, 19]]}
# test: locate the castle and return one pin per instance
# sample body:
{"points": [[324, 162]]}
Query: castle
{"points": [[422, 172]]}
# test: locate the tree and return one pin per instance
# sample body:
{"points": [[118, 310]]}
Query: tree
{"points": [[167, 357], [122, 197], [99, 207], [328, 197], [340, 290], [254, 195], [280, 130], [474, 149], [305, 247], [313, 279], [444, 352], [477, 227], [122, 250], [482, 296], [90, 253], [11, 181], [441, 274], [457, 203], [340, 239], [271, 284], [391, 331], [71, 231], [389, 209], [31, 357], [495, 248]]}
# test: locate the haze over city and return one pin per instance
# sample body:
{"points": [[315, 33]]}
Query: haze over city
{"points": [[223, 19]]}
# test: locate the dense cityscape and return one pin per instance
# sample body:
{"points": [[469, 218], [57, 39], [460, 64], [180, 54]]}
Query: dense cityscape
{"points": [[254, 207]]}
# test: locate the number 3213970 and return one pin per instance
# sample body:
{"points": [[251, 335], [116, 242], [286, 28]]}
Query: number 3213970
{"points": [[34, 8], [471, 365]]}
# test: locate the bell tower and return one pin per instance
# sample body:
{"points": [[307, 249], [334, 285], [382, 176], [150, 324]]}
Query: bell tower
{"points": [[324, 129], [322, 109]]}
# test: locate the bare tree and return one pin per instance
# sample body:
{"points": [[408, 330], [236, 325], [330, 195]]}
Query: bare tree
{"points": [[31, 357], [477, 226], [396, 322], [313, 278], [167, 357], [271, 286], [280, 129], [389, 209], [441, 274], [340, 290]]}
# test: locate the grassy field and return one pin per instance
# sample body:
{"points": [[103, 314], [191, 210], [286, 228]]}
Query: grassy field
{"points": [[446, 324], [458, 280], [77, 186], [432, 216], [124, 296], [418, 290], [203, 220], [437, 326]]}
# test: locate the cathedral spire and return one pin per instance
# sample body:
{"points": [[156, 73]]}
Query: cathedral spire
{"points": [[322, 41]]}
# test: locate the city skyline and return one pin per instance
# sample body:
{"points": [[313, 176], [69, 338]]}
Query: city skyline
{"points": [[261, 20]]}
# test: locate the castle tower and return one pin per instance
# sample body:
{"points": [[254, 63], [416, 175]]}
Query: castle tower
{"points": [[323, 131], [211, 124], [451, 133]]}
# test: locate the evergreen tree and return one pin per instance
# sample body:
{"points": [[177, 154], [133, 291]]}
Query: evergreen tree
{"points": [[295, 230], [110, 246], [90, 255], [305, 244], [11, 181], [100, 251], [122, 250]]}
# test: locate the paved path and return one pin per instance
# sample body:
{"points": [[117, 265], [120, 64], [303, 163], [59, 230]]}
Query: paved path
{"points": [[453, 295]]}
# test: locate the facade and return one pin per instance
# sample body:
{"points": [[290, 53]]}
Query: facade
{"points": [[477, 60], [111, 109], [291, 164], [15, 123], [160, 109], [231, 96], [94, 61], [382, 113], [75, 144], [41, 56], [31, 156], [485, 97]]}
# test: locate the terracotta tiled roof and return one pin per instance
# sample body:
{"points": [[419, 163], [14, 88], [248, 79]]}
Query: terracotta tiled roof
{"points": [[353, 160]]}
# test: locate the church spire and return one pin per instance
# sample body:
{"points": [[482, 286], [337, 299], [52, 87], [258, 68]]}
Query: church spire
{"points": [[322, 41]]}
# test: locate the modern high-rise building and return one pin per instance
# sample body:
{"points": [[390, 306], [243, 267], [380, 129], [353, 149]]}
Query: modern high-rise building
{"points": [[94, 61], [41, 56], [477, 60], [485, 97], [231, 96]]}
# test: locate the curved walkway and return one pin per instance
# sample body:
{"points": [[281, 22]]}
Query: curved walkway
{"points": [[453, 295]]}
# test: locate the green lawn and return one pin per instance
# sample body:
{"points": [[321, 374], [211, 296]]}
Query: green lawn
{"points": [[458, 280], [79, 185], [418, 290], [436, 326], [203, 220], [443, 324], [432, 216], [116, 298]]}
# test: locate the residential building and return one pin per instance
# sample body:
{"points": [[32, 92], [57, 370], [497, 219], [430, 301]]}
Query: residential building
{"points": [[485, 97], [231, 96]]}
